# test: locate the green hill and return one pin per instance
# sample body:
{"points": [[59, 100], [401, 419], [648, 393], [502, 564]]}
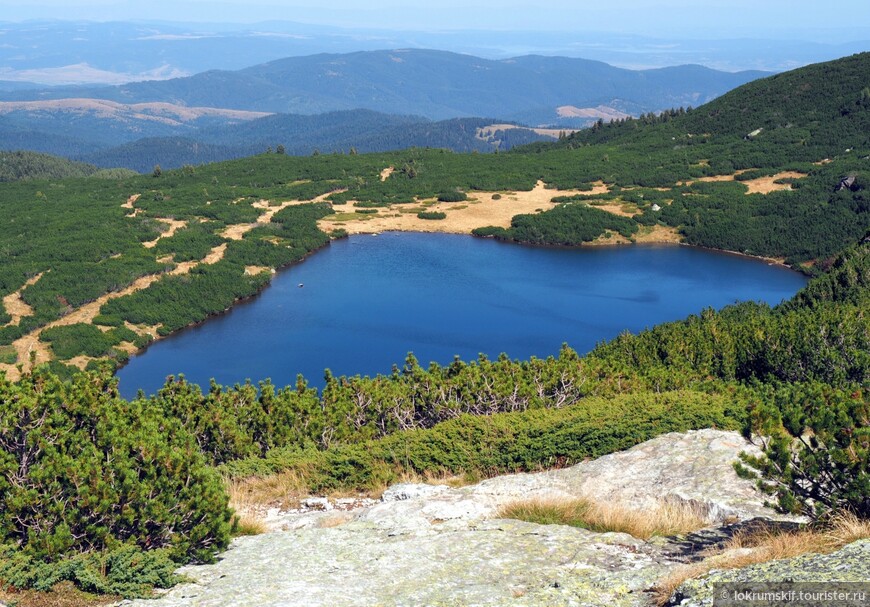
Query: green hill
{"points": [[15, 166], [818, 110]]}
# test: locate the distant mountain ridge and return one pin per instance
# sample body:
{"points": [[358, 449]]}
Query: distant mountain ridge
{"points": [[368, 100], [55, 52], [435, 84]]}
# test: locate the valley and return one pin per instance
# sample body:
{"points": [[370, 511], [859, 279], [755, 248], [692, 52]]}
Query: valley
{"points": [[108, 490]]}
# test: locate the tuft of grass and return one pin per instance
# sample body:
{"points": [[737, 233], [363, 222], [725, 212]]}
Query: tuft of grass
{"points": [[248, 523], [63, 594], [664, 519], [281, 490], [768, 544]]}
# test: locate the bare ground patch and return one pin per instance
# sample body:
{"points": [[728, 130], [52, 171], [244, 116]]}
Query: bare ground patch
{"points": [[480, 210], [766, 185], [131, 201], [761, 185], [622, 209], [658, 234], [487, 132], [254, 270], [16, 307], [173, 225]]}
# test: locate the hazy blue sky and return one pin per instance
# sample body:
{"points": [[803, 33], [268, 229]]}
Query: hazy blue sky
{"points": [[831, 20]]}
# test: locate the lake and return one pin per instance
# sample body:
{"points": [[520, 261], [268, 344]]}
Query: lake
{"points": [[366, 301]]}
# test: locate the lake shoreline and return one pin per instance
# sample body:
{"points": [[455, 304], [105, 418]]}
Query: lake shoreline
{"points": [[333, 291], [597, 244]]}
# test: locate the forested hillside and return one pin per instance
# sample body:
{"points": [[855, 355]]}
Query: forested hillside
{"points": [[111, 494], [31, 165], [360, 130], [138, 142]]}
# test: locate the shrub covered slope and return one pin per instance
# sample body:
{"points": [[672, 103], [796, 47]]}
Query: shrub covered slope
{"points": [[109, 493]]}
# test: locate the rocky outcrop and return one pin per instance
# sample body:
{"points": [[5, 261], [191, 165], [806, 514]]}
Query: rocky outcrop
{"points": [[437, 545], [850, 566]]}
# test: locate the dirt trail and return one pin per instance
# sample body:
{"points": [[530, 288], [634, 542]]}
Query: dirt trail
{"points": [[174, 226], [131, 201], [16, 307], [238, 231], [29, 343]]}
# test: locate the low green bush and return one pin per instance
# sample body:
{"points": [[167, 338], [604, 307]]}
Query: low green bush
{"points": [[431, 215], [72, 340], [8, 355], [82, 470], [128, 571], [502, 443], [452, 196], [489, 231], [816, 458]]}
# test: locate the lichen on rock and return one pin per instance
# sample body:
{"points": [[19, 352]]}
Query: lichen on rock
{"points": [[442, 546]]}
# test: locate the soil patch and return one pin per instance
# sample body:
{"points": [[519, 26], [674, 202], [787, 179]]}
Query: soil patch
{"points": [[766, 185], [131, 201], [16, 307]]}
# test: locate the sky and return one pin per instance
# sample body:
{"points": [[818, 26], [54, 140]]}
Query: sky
{"points": [[828, 21]]}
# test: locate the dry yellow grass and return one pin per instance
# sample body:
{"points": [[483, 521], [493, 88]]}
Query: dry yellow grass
{"points": [[64, 594], [482, 209], [283, 490], [761, 185], [664, 519], [248, 523], [768, 544]]}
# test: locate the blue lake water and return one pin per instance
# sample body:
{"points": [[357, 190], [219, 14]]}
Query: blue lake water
{"points": [[369, 300]]}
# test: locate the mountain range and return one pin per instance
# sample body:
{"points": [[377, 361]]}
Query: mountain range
{"points": [[116, 52], [434, 84], [402, 98]]}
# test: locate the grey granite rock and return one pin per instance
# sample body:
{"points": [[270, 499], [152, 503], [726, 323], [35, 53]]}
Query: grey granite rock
{"points": [[850, 564], [440, 546]]}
